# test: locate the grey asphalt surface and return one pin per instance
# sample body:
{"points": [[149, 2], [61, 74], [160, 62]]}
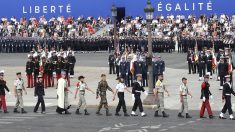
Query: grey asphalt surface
{"points": [[174, 60], [51, 122]]}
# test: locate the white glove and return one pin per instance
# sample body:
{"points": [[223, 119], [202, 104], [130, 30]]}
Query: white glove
{"points": [[126, 73], [163, 72], [145, 92], [211, 97], [133, 97], [204, 99], [9, 93]]}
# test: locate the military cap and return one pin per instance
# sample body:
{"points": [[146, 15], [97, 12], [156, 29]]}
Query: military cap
{"points": [[103, 75], [81, 77], [18, 73]]}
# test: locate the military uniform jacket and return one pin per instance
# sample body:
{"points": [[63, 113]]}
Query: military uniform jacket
{"points": [[138, 66], [3, 87], [59, 67], [39, 89], [227, 90], [66, 67], [123, 67], [71, 60], [205, 91], [102, 88], [155, 68], [36, 68], [137, 89], [161, 67], [111, 59], [223, 69], [29, 67], [190, 57]]}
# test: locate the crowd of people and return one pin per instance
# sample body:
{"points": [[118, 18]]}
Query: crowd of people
{"points": [[205, 62], [167, 32]]}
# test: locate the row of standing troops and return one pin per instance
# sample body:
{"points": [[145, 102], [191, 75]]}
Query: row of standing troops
{"points": [[49, 68], [128, 69], [24, 45], [206, 61], [189, 43]]}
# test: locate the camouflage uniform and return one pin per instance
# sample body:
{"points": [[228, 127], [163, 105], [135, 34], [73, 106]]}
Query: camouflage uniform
{"points": [[101, 91]]}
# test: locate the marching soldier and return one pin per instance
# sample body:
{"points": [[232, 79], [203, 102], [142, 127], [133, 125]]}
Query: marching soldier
{"points": [[49, 66], [138, 66], [3, 87], [184, 92], [145, 73], [120, 87], [123, 69], [136, 96], [202, 65], [226, 96], [29, 72], [40, 93], [111, 64], [71, 61], [190, 61], [18, 91], [223, 71], [209, 63], [82, 87], [117, 64], [66, 68], [205, 95], [159, 93], [59, 66], [44, 72], [129, 74], [36, 69], [101, 92]]}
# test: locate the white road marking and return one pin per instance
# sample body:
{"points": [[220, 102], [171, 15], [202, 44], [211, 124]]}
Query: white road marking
{"points": [[11, 119], [163, 130], [190, 122], [17, 117], [172, 127], [5, 123], [182, 124], [199, 119]]}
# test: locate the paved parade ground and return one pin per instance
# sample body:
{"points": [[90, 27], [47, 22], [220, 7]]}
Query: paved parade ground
{"points": [[92, 66]]}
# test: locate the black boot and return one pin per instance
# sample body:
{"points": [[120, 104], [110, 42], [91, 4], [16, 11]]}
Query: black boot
{"points": [[77, 112], [211, 117], [156, 114], [98, 113], [16, 111], [125, 114], [180, 115], [117, 114], [188, 116], [107, 113], [67, 112], [86, 113], [23, 111], [164, 114]]}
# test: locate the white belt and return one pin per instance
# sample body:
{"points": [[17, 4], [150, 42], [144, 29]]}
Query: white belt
{"points": [[138, 91], [228, 94]]}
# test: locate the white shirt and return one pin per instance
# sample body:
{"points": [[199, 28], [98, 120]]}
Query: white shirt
{"points": [[184, 89], [19, 84], [120, 87]]}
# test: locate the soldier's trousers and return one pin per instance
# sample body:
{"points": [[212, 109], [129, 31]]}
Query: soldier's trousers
{"points": [[30, 80], [103, 102], [72, 70], [205, 105], [184, 105], [19, 99], [82, 100], [3, 104], [129, 79], [35, 76], [111, 69], [40, 101], [117, 70], [45, 80], [202, 70], [222, 80], [121, 102], [190, 68], [50, 79], [209, 68], [138, 103], [227, 105], [145, 80], [160, 102]]}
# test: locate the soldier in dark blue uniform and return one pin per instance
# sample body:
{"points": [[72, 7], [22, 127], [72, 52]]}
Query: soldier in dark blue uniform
{"points": [[39, 92], [138, 66], [202, 65], [111, 64], [161, 66], [72, 61], [145, 73], [123, 69], [129, 74]]}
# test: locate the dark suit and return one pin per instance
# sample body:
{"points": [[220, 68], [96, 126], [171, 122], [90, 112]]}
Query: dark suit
{"points": [[39, 91]]}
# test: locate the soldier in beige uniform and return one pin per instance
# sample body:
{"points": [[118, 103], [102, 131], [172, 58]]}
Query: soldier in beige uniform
{"points": [[184, 92], [18, 91], [159, 93], [81, 87]]}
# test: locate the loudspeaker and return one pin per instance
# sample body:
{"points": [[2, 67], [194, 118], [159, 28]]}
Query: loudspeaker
{"points": [[121, 13]]}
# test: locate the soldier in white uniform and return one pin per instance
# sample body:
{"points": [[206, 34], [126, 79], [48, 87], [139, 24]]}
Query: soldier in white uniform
{"points": [[159, 93], [184, 92], [18, 91], [81, 87]]}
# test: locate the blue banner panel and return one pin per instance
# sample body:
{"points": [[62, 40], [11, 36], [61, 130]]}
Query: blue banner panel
{"points": [[49, 8]]}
